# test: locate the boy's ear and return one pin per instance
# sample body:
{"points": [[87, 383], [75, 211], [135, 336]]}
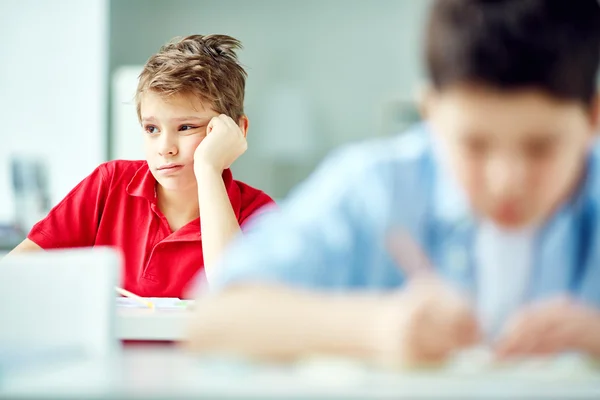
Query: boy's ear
{"points": [[424, 99], [595, 114], [243, 123]]}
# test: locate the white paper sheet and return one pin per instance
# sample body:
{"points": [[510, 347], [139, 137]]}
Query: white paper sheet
{"points": [[160, 303]]}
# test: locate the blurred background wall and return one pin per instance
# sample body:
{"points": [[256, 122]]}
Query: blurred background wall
{"points": [[321, 73], [53, 91]]}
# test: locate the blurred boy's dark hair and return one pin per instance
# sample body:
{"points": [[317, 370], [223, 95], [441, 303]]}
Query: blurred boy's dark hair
{"points": [[551, 45]]}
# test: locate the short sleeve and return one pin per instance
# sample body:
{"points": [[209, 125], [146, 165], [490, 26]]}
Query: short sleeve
{"points": [[254, 204], [74, 221]]}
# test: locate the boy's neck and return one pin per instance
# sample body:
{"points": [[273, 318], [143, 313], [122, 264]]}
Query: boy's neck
{"points": [[179, 207]]}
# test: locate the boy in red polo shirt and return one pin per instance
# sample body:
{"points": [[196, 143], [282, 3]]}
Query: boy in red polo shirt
{"points": [[172, 214]]}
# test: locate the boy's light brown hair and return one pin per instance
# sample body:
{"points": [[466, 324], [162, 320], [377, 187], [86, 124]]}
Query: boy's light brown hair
{"points": [[201, 65]]}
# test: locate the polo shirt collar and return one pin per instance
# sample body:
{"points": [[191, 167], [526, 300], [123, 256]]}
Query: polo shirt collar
{"points": [[143, 184]]}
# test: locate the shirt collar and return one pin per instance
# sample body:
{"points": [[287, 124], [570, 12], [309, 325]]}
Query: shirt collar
{"points": [[143, 184]]}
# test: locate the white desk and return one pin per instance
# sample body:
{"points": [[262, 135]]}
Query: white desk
{"points": [[167, 373]]}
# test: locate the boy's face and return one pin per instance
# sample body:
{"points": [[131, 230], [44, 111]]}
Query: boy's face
{"points": [[517, 154], [173, 127]]}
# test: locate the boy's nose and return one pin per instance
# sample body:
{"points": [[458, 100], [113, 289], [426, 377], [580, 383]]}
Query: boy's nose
{"points": [[168, 146], [168, 151], [505, 176]]}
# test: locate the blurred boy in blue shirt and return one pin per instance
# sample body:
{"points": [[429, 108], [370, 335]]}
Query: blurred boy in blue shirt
{"points": [[482, 223]]}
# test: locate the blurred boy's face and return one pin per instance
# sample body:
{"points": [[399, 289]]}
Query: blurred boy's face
{"points": [[517, 154], [173, 127]]}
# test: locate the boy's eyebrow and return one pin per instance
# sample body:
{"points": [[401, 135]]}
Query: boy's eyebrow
{"points": [[148, 119], [190, 118], [548, 137], [179, 119]]}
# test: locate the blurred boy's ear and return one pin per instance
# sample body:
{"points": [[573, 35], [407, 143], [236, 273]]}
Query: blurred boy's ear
{"points": [[243, 123], [425, 99], [428, 98], [595, 114]]}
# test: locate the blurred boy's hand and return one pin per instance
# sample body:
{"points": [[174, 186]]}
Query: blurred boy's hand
{"points": [[425, 323], [223, 144], [550, 327]]}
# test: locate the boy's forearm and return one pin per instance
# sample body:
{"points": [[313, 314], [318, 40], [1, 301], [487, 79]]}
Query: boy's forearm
{"points": [[26, 245], [277, 323], [218, 222], [591, 341]]}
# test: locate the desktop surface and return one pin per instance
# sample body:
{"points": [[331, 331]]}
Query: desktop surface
{"points": [[170, 373]]}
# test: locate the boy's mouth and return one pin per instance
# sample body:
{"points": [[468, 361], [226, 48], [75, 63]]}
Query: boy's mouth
{"points": [[169, 168], [508, 216]]}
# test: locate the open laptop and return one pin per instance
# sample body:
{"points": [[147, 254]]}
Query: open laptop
{"points": [[57, 304]]}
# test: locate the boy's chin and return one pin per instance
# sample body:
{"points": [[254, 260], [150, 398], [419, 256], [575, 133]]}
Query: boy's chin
{"points": [[177, 184]]}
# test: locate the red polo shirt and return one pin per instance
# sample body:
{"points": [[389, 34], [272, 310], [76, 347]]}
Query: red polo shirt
{"points": [[116, 206]]}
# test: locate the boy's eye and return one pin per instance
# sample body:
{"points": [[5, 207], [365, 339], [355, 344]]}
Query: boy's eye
{"points": [[476, 146], [151, 129], [187, 127], [539, 150]]}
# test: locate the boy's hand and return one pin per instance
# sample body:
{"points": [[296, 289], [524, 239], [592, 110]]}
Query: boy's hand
{"points": [[223, 144], [425, 323], [551, 327]]}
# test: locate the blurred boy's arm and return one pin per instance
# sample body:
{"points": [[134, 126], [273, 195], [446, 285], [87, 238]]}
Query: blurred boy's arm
{"points": [[590, 340], [423, 323], [277, 323]]}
